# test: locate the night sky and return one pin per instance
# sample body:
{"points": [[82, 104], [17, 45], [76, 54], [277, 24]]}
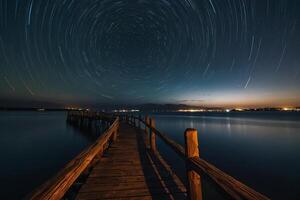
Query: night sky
{"points": [[200, 52]]}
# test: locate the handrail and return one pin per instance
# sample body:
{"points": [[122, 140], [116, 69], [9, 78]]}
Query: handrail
{"points": [[56, 187], [175, 146], [233, 187]]}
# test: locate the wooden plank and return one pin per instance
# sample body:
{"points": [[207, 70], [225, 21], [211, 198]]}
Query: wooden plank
{"points": [[122, 186], [128, 173], [123, 194], [136, 196], [130, 182]]}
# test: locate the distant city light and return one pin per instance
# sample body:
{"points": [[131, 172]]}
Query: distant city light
{"points": [[75, 108], [125, 110], [227, 110], [191, 110], [288, 109]]}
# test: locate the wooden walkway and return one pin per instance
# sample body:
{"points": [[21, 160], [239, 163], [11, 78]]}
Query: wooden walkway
{"points": [[125, 163], [128, 171]]}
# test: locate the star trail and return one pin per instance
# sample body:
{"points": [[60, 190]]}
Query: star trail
{"points": [[204, 52]]}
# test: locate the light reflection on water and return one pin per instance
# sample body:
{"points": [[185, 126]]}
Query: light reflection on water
{"points": [[259, 150]]}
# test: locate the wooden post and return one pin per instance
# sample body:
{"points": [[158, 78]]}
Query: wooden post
{"points": [[192, 150], [147, 131], [152, 139]]}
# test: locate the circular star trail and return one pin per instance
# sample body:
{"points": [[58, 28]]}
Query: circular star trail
{"points": [[138, 51]]}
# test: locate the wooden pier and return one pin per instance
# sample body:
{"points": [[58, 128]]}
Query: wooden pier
{"points": [[124, 163]]}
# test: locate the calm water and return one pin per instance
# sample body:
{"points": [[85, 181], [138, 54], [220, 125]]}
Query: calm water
{"points": [[260, 149], [33, 147]]}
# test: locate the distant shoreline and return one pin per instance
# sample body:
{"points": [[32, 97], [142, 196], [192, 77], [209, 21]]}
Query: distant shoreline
{"points": [[157, 110], [33, 109]]}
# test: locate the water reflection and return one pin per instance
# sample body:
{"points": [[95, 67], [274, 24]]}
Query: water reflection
{"points": [[253, 149], [34, 146]]}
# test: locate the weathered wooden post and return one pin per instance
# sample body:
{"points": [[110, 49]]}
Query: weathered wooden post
{"points": [[147, 130], [192, 150], [152, 137]]}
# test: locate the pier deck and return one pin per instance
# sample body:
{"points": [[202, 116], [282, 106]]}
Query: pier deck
{"points": [[127, 171]]}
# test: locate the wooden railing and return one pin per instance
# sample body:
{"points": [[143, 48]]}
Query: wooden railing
{"points": [[194, 164], [60, 184]]}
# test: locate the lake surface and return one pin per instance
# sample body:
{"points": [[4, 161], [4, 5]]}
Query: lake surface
{"points": [[260, 149], [33, 147]]}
